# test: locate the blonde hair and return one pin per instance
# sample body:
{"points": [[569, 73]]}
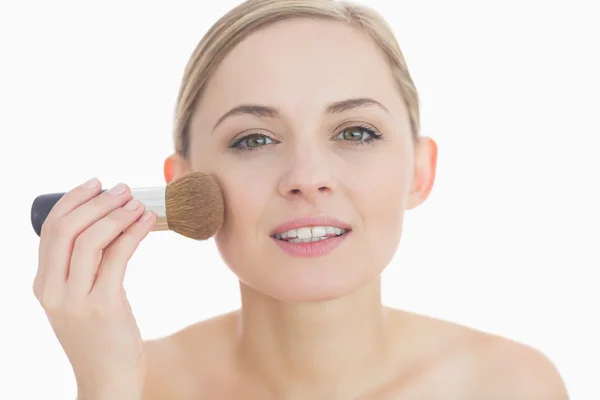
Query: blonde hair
{"points": [[253, 15]]}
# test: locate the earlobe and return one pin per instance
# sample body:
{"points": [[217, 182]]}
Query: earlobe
{"points": [[169, 169], [426, 153], [174, 167]]}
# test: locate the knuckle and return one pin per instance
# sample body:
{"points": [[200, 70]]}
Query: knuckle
{"points": [[46, 228], [37, 288], [98, 235], [113, 222], [76, 195], [36, 292], [128, 240], [116, 224], [50, 301], [53, 227], [86, 242], [63, 229]]}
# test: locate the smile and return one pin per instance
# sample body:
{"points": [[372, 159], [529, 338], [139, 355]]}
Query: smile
{"points": [[310, 234], [314, 236]]}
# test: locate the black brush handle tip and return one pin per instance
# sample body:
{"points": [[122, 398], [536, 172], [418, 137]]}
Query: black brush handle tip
{"points": [[41, 208]]}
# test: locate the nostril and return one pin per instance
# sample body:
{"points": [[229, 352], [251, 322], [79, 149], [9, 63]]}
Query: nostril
{"points": [[307, 191]]}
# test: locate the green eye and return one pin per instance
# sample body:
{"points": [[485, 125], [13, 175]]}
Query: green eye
{"points": [[358, 134], [353, 134], [256, 140], [252, 141]]}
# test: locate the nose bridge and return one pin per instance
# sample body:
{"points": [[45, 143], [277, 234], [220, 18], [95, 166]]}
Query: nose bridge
{"points": [[307, 171]]}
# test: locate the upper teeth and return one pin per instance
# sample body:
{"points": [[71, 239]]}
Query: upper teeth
{"points": [[311, 232]]}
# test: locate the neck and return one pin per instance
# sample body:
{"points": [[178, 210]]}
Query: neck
{"points": [[314, 344]]}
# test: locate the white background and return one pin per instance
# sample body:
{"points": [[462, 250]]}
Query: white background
{"points": [[508, 242]]}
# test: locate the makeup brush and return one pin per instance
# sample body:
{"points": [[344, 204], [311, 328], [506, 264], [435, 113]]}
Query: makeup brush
{"points": [[192, 206]]}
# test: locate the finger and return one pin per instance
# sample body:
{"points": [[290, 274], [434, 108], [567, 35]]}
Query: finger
{"points": [[65, 231], [73, 199], [89, 246], [67, 203], [118, 254]]}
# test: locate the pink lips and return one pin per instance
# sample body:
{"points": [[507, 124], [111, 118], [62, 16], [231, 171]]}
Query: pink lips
{"points": [[309, 221], [312, 249]]}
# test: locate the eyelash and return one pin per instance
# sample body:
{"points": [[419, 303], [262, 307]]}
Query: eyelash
{"points": [[373, 136]]}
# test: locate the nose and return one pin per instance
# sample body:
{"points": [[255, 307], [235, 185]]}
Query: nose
{"points": [[308, 176]]}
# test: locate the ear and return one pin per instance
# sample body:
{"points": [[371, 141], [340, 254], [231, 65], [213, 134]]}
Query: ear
{"points": [[175, 166], [426, 153]]}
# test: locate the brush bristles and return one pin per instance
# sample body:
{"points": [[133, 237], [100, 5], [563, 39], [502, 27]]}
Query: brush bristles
{"points": [[195, 206]]}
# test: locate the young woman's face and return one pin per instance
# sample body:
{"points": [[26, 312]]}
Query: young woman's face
{"points": [[322, 132]]}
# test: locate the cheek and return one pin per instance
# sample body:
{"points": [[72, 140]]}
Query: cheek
{"points": [[380, 199], [246, 194], [380, 187], [243, 187], [387, 193]]}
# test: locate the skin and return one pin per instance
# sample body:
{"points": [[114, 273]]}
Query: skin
{"points": [[309, 327], [315, 328]]}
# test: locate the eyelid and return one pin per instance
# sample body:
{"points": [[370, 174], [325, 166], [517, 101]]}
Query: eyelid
{"points": [[355, 123], [362, 125], [345, 125], [235, 143], [254, 132]]}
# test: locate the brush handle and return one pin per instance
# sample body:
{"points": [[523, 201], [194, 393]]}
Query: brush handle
{"points": [[153, 198], [41, 208]]}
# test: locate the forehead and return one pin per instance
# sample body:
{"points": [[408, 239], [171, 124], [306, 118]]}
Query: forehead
{"points": [[303, 62]]}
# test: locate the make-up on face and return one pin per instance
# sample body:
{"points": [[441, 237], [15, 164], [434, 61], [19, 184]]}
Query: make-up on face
{"points": [[305, 129]]}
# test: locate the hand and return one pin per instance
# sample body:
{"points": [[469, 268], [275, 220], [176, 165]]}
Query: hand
{"points": [[85, 245]]}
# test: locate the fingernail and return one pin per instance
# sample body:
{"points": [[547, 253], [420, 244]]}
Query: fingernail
{"points": [[147, 215], [92, 183], [132, 205], [119, 189]]}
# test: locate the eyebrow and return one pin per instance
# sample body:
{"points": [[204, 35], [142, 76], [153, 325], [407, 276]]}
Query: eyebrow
{"points": [[271, 112]]}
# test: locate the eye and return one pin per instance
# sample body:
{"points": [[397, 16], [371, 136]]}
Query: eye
{"points": [[251, 142], [358, 134]]}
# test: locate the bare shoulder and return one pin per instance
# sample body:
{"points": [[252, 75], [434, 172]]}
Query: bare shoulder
{"points": [[186, 364], [515, 370], [465, 363]]}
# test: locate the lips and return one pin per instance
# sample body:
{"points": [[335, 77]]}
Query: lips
{"points": [[313, 225], [310, 234], [311, 241]]}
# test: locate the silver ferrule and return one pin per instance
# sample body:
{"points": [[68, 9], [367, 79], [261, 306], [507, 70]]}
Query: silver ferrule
{"points": [[153, 198]]}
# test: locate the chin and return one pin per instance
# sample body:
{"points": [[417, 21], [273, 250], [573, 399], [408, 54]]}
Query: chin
{"points": [[308, 280], [306, 287], [326, 288], [267, 270]]}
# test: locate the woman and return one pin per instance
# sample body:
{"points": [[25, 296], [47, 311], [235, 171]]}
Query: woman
{"points": [[307, 115]]}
